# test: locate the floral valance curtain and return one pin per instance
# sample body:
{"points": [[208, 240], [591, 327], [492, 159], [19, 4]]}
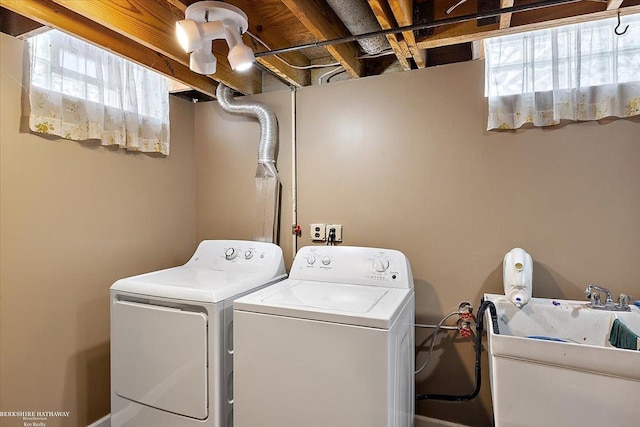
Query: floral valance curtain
{"points": [[79, 92], [577, 72]]}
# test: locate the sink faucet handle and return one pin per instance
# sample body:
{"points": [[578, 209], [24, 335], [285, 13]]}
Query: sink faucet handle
{"points": [[587, 292], [623, 300]]}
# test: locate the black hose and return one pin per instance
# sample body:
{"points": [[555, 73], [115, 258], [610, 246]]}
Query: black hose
{"points": [[479, 329]]}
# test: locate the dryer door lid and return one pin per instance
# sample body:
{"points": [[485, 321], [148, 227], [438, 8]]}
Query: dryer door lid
{"points": [[159, 357]]}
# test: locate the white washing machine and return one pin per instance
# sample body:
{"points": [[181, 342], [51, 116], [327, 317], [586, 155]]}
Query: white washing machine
{"points": [[171, 335], [333, 345]]}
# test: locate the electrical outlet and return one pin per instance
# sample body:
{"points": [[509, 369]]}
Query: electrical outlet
{"points": [[318, 232], [338, 229]]}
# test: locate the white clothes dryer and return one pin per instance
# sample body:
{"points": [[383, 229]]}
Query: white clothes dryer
{"points": [[333, 345], [171, 335]]}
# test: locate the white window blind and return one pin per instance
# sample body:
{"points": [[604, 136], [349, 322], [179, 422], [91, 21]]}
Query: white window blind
{"points": [[80, 92], [576, 72]]}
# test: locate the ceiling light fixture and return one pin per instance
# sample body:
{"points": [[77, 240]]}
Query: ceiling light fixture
{"points": [[206, 21]]}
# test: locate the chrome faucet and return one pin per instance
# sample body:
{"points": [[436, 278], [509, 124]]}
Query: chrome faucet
{"points": [[593, 293], [595, 296]]}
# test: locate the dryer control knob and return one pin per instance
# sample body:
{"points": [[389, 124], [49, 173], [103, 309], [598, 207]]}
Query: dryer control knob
{"points": [[311, 259], [380, 264], [248, 254], [230, 253], [326, 260]]}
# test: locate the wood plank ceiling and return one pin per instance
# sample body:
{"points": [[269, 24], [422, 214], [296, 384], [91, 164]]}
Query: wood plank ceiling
{"points": [[143, 30]]}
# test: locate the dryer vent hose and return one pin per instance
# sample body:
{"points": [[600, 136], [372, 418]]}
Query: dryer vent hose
{"points": [[267, 185], [268, 127]]}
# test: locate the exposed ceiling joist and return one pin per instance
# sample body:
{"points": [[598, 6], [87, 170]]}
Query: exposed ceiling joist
{"points": [[614, 4], [272, 38], [477, 49], [323, 23], [293, 76], [505, 18], [449, 32], [288, 34], [17, 25], [152, 24], [181, 4], [385, 18], [51, 14], [522, 22], [403, 12]]}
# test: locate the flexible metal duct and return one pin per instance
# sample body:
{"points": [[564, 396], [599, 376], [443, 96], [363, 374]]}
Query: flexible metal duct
{"points": [[359, 19], [267, 182], [268, 125]]}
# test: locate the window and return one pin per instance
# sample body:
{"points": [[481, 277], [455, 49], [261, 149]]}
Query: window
{"points": [[576, 72], [78, 91]]}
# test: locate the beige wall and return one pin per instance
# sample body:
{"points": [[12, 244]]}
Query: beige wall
{"points": [[404, 162], [74, 218]]}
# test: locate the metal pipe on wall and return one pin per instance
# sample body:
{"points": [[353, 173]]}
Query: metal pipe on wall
{"points": [[294, 175]]}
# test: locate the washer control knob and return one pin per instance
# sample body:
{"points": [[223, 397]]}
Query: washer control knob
{"points": [[326, 260], [311, 259], [230, 253], [248, 254], [380, 265]]}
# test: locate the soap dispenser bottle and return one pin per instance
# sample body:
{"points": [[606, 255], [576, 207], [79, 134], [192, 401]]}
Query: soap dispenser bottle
{"points": [[517, 271]]}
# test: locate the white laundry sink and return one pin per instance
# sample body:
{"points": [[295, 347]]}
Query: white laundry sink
{"points": [[552, 364]]}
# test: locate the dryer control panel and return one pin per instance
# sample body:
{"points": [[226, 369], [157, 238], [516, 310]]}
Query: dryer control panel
{"points": [[356, 265], [237, 255]]}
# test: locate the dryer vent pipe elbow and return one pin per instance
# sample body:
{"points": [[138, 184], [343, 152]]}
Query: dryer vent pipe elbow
{"points": [[268, 128]]}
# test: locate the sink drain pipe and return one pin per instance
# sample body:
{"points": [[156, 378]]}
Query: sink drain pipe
{"points": [[479, 330], [267, 195]]}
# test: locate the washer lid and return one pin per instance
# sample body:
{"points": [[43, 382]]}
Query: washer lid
{"points": [[359, 305], [194, 284], [331, 296]]}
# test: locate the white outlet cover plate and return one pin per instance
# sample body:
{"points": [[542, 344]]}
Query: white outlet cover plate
{"points": [[318, 232]]}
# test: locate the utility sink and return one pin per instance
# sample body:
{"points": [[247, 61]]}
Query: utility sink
{"points": [[552, 364]]}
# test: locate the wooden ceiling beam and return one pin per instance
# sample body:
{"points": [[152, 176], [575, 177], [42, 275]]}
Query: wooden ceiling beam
{"points": [[451, 32], [323, 23], [48, 13], [181, 4], [614, 4], [17, 25], [477, 49], [505, 18], [386, 20], [152, 24], [280, 67], [403, 13], [280, 64], [468, 31], [291, 75]]}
